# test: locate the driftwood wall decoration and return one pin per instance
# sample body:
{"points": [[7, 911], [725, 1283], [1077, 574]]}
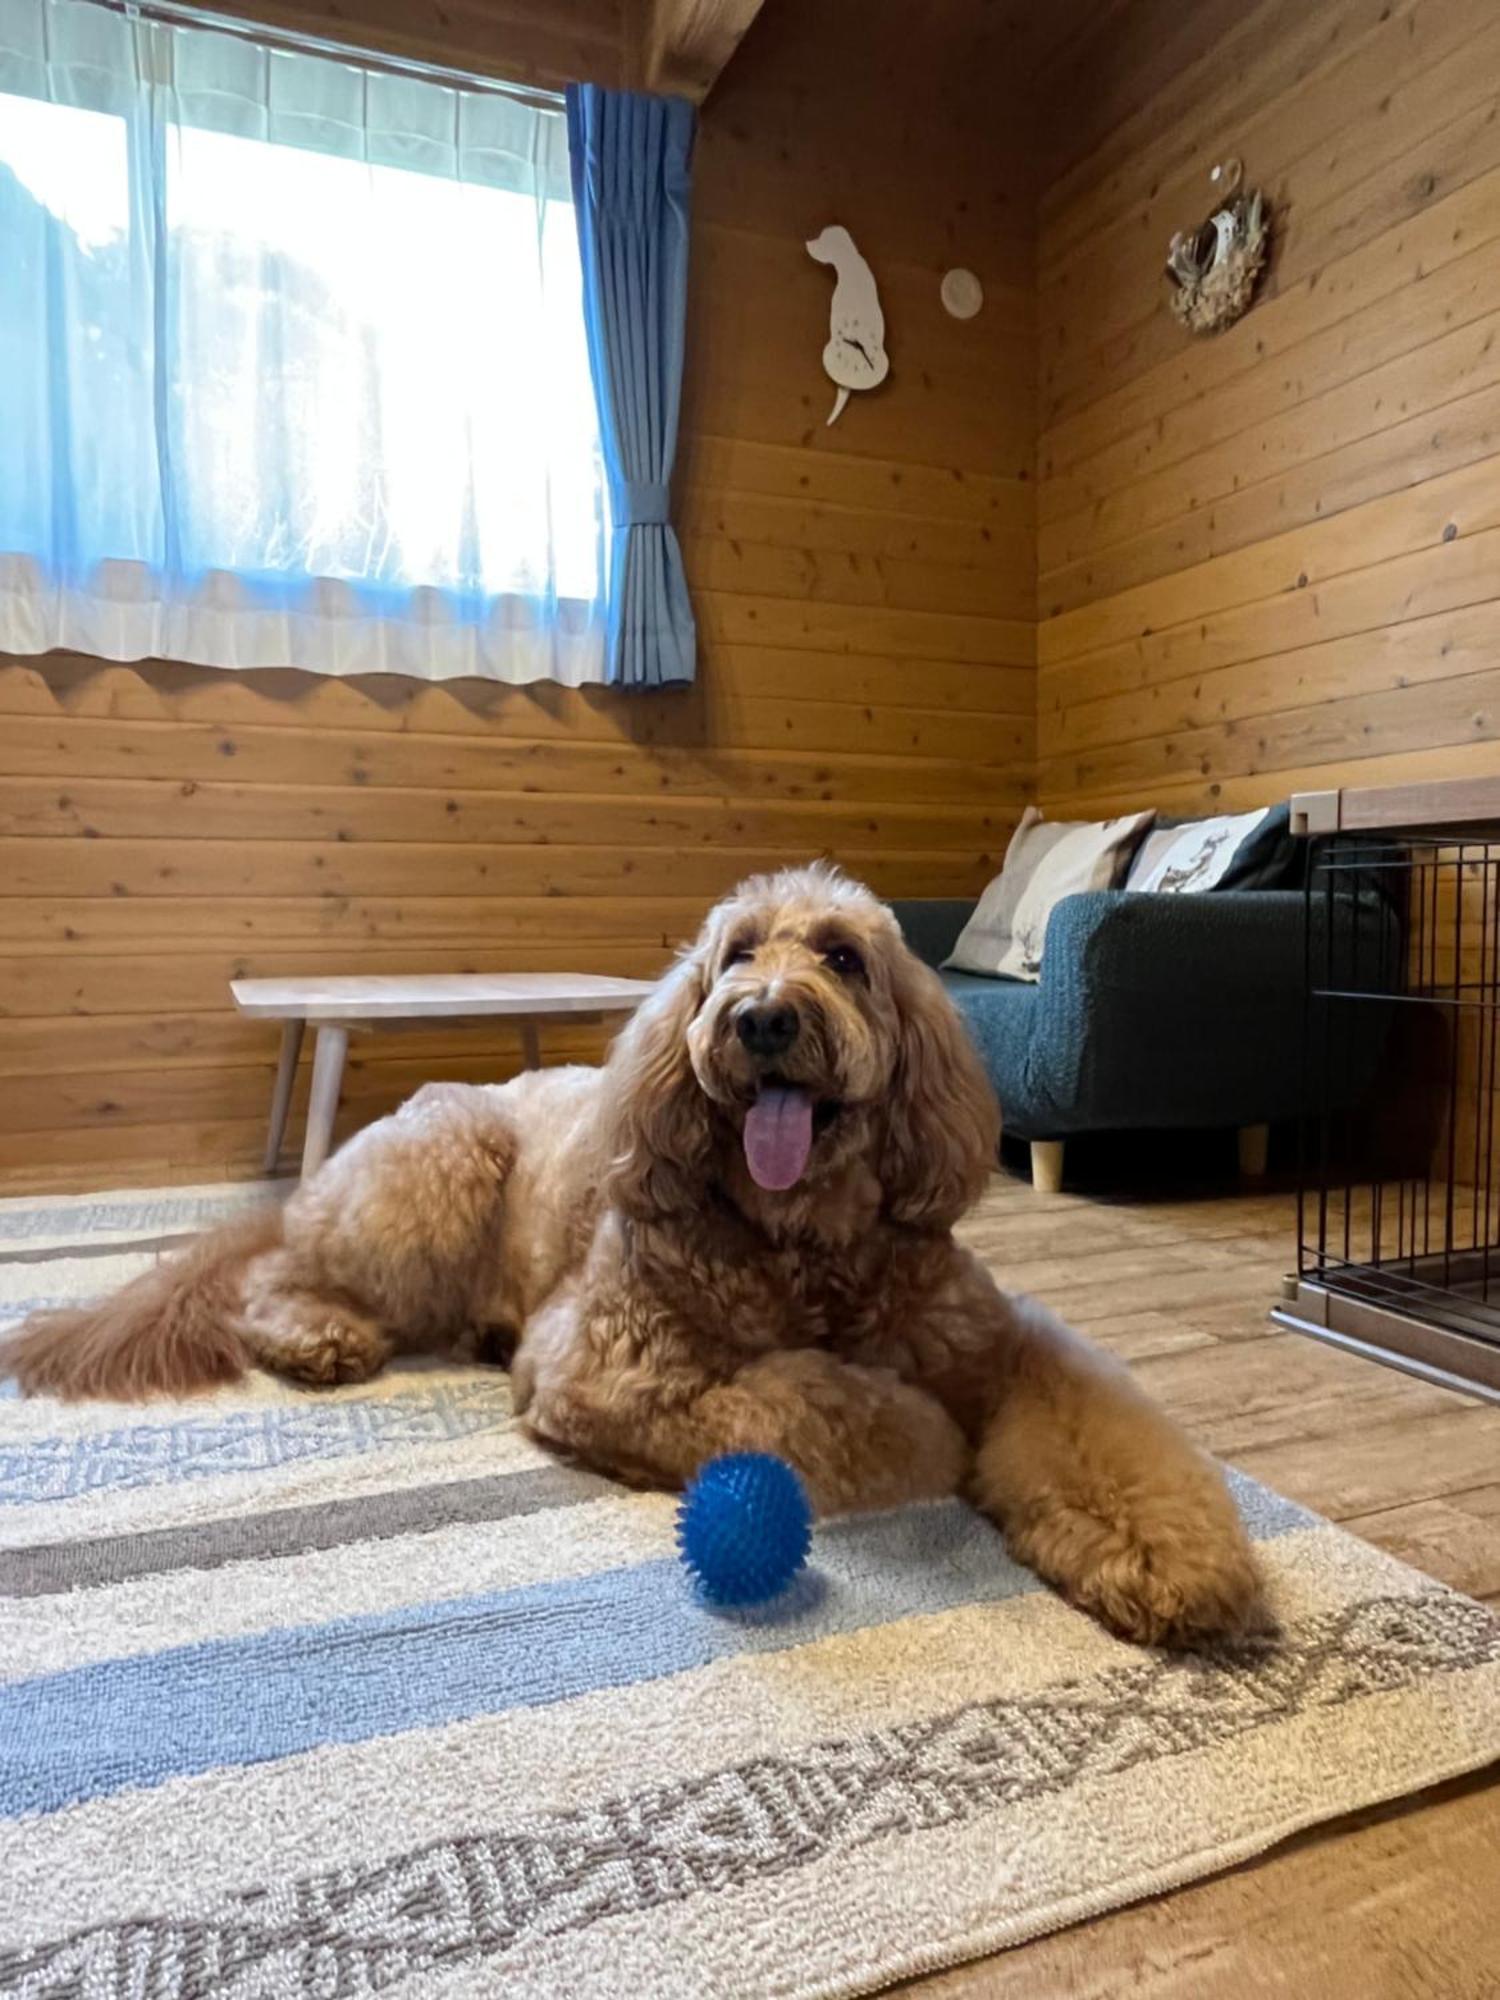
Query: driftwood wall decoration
{"points": [[1214, 268]]}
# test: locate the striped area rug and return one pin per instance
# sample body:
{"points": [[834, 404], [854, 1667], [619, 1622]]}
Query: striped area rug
{"points": [[358, 1693]]}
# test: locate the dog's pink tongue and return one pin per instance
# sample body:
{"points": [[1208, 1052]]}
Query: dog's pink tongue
{"points": [[778, 1136]]}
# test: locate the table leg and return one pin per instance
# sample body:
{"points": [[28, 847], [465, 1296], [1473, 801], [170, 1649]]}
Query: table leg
{"points": [[531, 1045], [281, 1094], [323, 1104]]}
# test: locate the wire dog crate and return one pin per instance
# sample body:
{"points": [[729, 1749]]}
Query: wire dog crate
{"points": [[1398, 1227]]}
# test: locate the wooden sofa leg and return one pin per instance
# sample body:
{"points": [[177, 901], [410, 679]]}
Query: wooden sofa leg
{"points": [[1047, 1165], [1255, 1147]]}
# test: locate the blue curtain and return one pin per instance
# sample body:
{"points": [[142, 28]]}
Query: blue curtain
{"points": [[632, 176]]}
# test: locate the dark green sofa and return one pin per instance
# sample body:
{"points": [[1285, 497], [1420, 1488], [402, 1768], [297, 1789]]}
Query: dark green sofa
{"points": [[1153, 1012]]}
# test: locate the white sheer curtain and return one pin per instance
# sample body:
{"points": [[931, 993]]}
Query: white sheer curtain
{"points": [[292, 362]]}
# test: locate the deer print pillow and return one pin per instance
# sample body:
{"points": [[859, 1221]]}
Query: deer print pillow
{"points": [[1046, 860], [1186, 860]]}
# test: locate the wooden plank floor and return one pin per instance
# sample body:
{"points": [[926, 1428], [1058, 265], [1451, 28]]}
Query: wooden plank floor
{"points": [[1394, 1904]]}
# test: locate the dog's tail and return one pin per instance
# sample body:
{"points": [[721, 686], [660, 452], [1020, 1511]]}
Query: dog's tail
{"points": [[170, 1332]]}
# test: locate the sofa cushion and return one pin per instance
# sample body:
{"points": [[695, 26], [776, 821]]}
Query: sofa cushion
{"points": [[1271, 857], [1001, 1016], [1046, 860]]}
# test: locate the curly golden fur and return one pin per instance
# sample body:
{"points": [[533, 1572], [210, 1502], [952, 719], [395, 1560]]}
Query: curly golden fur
{"points": [[737, 1234]]}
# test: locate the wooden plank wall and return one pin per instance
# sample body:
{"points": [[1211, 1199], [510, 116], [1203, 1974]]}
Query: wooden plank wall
{"points": [[1271, 559], [865, 599]]}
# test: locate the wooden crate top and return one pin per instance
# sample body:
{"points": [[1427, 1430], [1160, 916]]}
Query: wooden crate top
{"points": [[1439, 805]]}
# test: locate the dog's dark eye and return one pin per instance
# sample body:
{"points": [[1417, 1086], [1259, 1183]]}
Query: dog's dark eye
{"points": [[844, 960], [738, 954]]}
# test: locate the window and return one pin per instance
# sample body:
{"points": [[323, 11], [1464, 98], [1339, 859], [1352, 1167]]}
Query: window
{"points": [[292, 361]]}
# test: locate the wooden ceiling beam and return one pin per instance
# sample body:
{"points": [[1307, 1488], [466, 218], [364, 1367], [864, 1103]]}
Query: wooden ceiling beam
{"points": [[681, 46]]}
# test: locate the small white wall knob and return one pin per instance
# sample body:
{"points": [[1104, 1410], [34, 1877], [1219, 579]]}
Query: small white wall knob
{"points": [[962, 294]]}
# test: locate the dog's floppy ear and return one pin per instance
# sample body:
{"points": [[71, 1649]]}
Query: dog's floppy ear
{"points": [[942, 1121], [656, 1117]]}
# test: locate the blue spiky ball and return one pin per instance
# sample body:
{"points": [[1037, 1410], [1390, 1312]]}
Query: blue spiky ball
{"points": [[744, 1527]]}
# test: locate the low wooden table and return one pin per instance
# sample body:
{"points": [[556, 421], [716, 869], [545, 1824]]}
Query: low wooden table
{"points": [[339, 1007]]}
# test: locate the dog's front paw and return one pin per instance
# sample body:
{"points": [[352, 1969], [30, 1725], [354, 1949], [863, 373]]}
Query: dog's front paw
{"points": [[1175, 1589], [1176, 1571]]}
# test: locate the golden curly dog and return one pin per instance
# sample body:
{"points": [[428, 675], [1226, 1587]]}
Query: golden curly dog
{"points": [[735, 1235]]}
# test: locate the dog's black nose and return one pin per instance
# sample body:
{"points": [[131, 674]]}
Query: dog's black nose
{"points": [[767, 1028]]}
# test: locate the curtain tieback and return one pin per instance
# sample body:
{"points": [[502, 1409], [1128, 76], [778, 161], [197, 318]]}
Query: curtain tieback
{"points": [[645, 503]]}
